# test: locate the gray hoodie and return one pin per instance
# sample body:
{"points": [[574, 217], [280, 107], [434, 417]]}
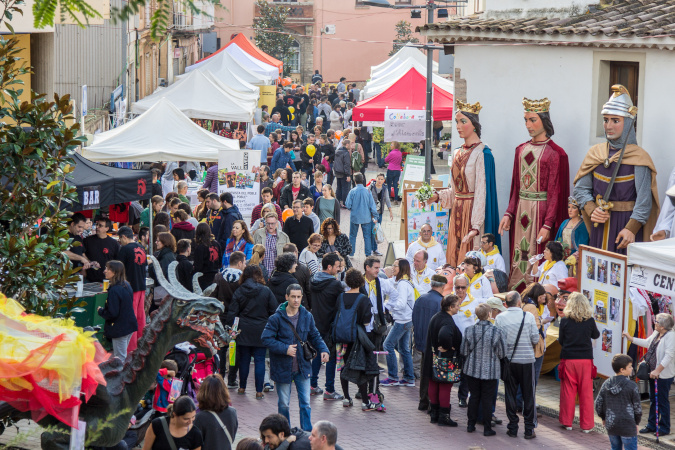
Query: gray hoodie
{"points": [[618, 404]]}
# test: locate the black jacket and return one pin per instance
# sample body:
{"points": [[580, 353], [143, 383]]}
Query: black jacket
{"points": [[309, 161], [165, 257], [618, 404], [299, 231], [184, 272], [328, 152], [302, 275], [442, 333], [325, 291], [343, 163], [286, 197], [576, 338], [183, 230], [278, 284], [118, 312], [253, 303], [207, 260], [226, 284]]}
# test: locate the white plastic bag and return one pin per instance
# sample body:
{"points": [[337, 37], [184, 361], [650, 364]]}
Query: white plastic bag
{"points": [[378, 233]]}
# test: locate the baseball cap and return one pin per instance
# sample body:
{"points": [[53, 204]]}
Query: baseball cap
{"points": [[495, 303], [568, 285]]}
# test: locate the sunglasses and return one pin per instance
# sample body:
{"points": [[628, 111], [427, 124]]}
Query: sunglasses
{"points": [[460, 287]]}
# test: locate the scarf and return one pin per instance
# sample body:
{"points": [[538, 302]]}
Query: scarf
{"points": [[373, 286], [547, 266], [431, 243], [234, 247], [492, 253]]}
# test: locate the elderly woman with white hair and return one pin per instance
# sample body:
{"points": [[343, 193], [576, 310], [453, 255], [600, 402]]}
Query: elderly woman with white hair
{"points": [[660, 357], [577, 331]]}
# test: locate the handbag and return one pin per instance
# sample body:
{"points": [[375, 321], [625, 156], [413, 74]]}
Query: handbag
{"points": [[308, 350], [446, 370], [505, 362], [645, 366], [643, 370]]}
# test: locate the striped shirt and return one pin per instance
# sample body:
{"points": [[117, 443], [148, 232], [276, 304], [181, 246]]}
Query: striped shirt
{"points": [[509, 322], [270, 252]]}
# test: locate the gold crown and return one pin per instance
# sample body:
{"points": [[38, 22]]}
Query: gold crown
{"points": [[536, 106], [469, 108]]}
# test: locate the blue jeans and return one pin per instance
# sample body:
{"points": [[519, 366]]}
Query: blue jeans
{"points": [[399, 339], [367, 229], [392, 180], [619, 442], [373, 245], [664, 405], [245, 352], [343, 189], [284, 395], [330, 371], [378, 155]]}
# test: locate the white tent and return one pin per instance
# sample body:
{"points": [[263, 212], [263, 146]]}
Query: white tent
{"points": [[229, 79], [200, 96], [380, 85], [163, 133], [251, 62], [404, 53], [657, 254], [240, 67]]}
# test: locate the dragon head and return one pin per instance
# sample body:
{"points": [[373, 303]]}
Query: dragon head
{"points": [[194, 316]]}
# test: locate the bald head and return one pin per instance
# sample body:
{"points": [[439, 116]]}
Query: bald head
{"points": [[512, 299]]}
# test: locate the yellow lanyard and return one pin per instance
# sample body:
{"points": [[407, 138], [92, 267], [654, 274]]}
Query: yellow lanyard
{"points": [[547, 267]]}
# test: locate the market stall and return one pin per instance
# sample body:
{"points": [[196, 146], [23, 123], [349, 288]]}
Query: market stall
{"points": [[408, 92], [229, 79], [225, 61], [381, 83], [163, 133], [246, 45], [199, 95], [407, 51]]}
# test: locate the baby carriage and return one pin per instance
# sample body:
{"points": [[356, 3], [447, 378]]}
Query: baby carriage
{"points": [[193, 367]]}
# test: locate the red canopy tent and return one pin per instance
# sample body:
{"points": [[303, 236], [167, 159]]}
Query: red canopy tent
{"points": [[250, 48], [408, 92]]}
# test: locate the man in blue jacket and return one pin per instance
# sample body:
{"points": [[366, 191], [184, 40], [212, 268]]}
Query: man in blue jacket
{"points": [[230, 215], [282, 158], [287, 361], [363, 212]]}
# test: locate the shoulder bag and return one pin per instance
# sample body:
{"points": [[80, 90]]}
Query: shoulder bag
{"points": [[446, 370], [644, 368], [169, 438], [222, 425], [505, 362], [308, 350]]}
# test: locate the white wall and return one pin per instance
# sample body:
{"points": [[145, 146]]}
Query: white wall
{"points": [[499, 77]]}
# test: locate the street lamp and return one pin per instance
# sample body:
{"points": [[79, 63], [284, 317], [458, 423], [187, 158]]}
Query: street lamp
{"points": [[429, 5]]}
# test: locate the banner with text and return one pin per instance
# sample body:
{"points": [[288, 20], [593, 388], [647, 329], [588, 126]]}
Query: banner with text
{"points": [[238, 174], [404, 125]]}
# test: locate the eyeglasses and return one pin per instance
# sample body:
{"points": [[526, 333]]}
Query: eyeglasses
{"points": [[460, 287], [270, 224]]}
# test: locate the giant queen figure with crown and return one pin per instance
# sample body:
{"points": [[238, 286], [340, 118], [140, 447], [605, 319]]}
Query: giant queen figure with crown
{"points": [[473, 192], [539, 192]]}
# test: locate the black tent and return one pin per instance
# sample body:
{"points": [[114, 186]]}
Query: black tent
{"points": [[99, 185]]}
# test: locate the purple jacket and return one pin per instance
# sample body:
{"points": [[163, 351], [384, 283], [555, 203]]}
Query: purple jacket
{"points": [[211, 181]]}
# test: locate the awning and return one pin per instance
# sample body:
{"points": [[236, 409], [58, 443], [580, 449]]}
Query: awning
{"points": [[249, 47]]}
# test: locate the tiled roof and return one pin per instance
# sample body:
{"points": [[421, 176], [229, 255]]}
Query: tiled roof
{"points": [[625, 18]]}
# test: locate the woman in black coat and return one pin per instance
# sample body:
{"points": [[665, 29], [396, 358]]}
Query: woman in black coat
{"points": [[120, 320], [442, 336], [207, 255], [253, 303], [282, 277]]}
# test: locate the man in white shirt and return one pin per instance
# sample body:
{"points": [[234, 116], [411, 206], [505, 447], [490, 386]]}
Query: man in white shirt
{"points": [[491, 252], [426, 241], [421, 274]]}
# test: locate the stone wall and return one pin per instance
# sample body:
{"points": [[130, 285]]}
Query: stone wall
{"points": [[460, 86]]}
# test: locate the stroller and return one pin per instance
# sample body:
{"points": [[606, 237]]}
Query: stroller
{"points": [[193, 367]]}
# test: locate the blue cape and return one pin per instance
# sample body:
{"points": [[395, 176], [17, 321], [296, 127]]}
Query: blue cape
{"points": [[491, 207]]}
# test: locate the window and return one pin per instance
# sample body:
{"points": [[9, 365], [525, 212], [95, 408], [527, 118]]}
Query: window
{"points": [[627, 74], [294, 57], [404, 2]]}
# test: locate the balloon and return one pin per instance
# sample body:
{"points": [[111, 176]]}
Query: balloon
{"points": [[286, 214], [285, 81], [293, 86], [311, 150], [338, 134], [291, 109]]}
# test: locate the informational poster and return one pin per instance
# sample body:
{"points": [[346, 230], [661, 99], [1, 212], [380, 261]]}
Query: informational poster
{"points": [[238, 174], [603, 281], [432, 214], [404, 125], [268, 96]]}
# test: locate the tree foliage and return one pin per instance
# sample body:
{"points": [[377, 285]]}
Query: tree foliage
{"points": [[270, 35], [36, 148], [403, 36]]}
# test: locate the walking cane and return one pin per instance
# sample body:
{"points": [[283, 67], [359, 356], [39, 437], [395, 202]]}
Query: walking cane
{"points": [[656, 395]]}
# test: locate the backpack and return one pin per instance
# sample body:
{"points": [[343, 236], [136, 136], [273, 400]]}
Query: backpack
{"points": [[344, 325], [357, 161]]}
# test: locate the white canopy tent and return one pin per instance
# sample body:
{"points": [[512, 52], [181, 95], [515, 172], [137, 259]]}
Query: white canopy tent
{"points": [[163, 133], [405, 53], [658, 254], [227, 78], [380, 85], [243, 67], [200, 96]]}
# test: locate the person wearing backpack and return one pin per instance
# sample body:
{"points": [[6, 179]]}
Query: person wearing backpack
{"points": [[357, 156], [349, 332], [342, 168], [401, 310]]}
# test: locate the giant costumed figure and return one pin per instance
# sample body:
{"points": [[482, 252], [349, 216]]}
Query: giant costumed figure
{"points": [[539, 191], [616, 184], [472, 195]]}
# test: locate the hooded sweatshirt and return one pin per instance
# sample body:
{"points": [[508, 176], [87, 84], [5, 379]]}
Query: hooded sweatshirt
{"points": [[183, 230], [325, 290], [618, 404], [278, 284], [253, 303]]}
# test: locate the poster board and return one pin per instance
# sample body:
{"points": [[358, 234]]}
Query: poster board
{"points": [[603, 280], [413, 185], [404, 125], [413, 170], [415, 217], [238, 174]]}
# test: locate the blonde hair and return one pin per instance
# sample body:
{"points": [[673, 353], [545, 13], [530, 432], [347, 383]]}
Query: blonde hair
{"points": [[258, 253], [578, 308]]}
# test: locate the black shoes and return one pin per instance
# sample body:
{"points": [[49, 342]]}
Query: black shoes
{"points": [[444, 419], [487, 433], [463, 403], [470, 429], [433, 413], [512, 434], [422, 407], [647, 430], [530, 435]]}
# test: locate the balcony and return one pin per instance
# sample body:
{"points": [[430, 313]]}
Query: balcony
{"points": [[185, 22], [301, 13]]}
